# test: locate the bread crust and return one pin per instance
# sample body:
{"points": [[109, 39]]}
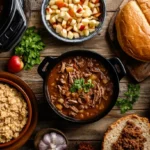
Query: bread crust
{"points": [[113, 125], [133, 29]]}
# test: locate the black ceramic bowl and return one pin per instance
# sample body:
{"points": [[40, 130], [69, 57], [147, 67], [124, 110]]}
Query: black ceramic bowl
{"points": [[113, 65], [81, 39]]}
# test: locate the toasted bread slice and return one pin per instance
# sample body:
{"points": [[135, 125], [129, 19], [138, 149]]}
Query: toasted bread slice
{"points": [[115, 129]]}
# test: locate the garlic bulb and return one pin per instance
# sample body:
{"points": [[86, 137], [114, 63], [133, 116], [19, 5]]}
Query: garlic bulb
{"points": [[52, 146], [46, 139], [61, 140], [42, 146], [52, 141], [53, 136]]}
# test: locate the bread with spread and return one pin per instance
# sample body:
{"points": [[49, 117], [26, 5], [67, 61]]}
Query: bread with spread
{"points": [[133, 29], [128, 133]]}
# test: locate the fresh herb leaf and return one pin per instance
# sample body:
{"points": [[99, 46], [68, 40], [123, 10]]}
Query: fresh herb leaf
{"points": [[29, 48], [77, 85], [80, 84], [131, 95], [88, 85]]}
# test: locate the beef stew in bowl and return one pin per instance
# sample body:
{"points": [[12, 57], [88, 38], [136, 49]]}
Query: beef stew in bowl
{"points": [[81, 86]]}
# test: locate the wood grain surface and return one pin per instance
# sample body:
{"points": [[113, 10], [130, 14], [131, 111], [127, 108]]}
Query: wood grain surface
{"points": [[91, 133]]}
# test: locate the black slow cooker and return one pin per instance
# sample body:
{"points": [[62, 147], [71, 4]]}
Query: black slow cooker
{"points": [[12, 23]]}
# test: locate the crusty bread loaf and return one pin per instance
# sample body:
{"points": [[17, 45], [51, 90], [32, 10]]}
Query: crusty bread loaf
{"points": [[114, 131], [133, 29]]}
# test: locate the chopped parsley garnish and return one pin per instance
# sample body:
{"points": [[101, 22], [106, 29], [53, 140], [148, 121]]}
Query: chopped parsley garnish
{"points": [[131, 95], [88, 85], [29, 48], [80, 84]]}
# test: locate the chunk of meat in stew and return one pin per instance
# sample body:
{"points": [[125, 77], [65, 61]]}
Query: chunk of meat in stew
{"points": [[81, 87]]}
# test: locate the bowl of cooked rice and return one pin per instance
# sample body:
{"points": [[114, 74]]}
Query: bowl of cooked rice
{"points": [[15, 112]]}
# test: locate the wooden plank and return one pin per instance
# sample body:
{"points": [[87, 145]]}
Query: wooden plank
{"points": [[144, 88], [143, 103], [93, 131], [55, 47], [72, 145], [31, 75], [35, 20], [36, 4], [112, 5], [47, 114], [33, 78]]}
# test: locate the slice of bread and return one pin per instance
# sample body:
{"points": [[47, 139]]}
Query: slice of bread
{"points": [[115, 129]]}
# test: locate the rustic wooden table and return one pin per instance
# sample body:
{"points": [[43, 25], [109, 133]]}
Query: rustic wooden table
{"points": [[92, 133]]}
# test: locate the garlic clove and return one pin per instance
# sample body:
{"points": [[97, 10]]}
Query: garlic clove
{"points": [[60, 140], [52, 146], [42, 145], [47, 139], [53, 137], [61, 147]]}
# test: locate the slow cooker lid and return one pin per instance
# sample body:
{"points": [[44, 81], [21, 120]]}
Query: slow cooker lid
{"points": [[7, 8], [14, 26], [1, 6]]}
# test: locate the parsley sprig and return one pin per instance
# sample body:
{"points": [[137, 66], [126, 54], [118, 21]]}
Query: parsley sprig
{"points": [[131, 95], [29, 48], [80, 84]]}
